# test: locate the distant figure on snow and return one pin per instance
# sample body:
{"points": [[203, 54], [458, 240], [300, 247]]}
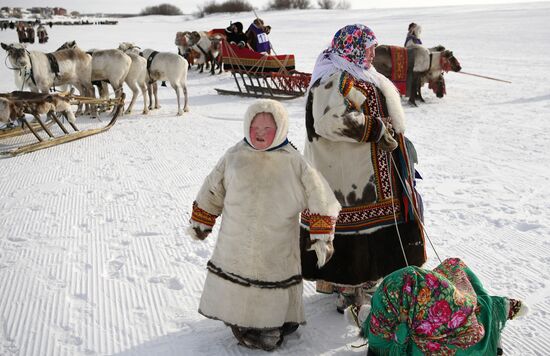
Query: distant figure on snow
{"points": [[413, 35], [42, 34]]}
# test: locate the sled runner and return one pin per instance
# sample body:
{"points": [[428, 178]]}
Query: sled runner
{"points": [[260, 75], [32, 122]]}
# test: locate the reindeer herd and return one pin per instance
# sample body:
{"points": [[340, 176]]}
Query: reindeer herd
{"points": [[71, 66], [139, 69]]}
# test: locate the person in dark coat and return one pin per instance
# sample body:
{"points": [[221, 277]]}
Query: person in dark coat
{"points": [[21, 32], [42, 34], [236, 35], [30, 33]]}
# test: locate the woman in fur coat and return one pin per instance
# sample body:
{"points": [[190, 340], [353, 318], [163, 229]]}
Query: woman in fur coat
{"points": [[355, 127], [259, 187]]}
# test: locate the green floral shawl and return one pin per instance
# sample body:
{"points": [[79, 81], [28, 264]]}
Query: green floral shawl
{"points": [[441, 312]]}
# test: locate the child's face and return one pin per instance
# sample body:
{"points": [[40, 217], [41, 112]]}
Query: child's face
{"points": [[262, 130]]}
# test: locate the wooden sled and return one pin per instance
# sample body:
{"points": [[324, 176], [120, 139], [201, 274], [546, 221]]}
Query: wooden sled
{"points": [[263, 76], [47, 129]]}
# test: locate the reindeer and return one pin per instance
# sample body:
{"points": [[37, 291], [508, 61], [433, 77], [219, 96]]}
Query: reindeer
{"points": [[425, 66], [184, 42], [166, 66], [15, 104], [9, 112], [151, 86], [110, 65], [209, 48], [137, 76], [215, 51], [41, 71]]}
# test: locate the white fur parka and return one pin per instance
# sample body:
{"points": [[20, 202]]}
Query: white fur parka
{"points": [[254, 275]]}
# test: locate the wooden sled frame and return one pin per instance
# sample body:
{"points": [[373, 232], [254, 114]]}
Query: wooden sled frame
{"points": [[40, 126], [268, 85], [263, 76]]}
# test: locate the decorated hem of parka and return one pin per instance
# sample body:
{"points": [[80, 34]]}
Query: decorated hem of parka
{"points": [[202, 216]]}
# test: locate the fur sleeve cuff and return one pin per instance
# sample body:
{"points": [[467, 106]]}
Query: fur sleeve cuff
{"points": [[202, 216], [321, 227], [374, 129], [322, 237]]}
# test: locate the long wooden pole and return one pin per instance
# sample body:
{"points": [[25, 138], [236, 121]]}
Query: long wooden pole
{"points": [[486, 77]]}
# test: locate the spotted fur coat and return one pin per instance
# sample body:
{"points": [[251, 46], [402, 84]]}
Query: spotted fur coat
{"points": [[345, 119]]}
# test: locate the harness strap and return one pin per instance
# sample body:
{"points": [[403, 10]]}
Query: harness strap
{"points": [[54, 65], [430, 66], [206, 55], [31, 72], [445, 63], [150, 60]]}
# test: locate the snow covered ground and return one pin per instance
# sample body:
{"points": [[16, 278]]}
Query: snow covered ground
{"points": [[94, 258]]}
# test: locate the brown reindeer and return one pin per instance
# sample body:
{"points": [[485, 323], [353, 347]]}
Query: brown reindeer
{"points": [[15, 104], [424, 66]]}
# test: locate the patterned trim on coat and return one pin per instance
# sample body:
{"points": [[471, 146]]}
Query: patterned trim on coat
{"points": [[321, 225], [373, 127], [248, 282], [361, 217], [372, 108], [202, 216]]}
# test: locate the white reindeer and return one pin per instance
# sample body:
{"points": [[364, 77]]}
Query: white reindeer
{"points": [[33, 69], [137, 76], [170, 67], [110, 65]]}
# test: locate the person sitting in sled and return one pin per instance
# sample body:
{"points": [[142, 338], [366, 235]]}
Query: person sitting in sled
{"points": [[235, 35], [445, 311], [413, 35], [259, 187], [257, 36]]}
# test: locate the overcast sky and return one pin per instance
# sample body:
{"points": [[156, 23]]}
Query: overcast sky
{"points": [[190, 6]]}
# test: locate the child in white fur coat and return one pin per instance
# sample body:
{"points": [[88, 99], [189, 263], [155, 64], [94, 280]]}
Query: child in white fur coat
{"points": [[259, 187]]}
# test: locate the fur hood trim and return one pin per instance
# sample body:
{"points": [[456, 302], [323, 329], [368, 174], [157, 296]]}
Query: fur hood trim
{"points": [[416, 30], [279, 114]]}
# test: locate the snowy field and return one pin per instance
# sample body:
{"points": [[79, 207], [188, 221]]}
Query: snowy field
{"points": [[94, 258]]}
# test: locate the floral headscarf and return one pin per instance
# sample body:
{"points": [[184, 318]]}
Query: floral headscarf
{"points": [[347, 53], [440, 312], [351, 42]]}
